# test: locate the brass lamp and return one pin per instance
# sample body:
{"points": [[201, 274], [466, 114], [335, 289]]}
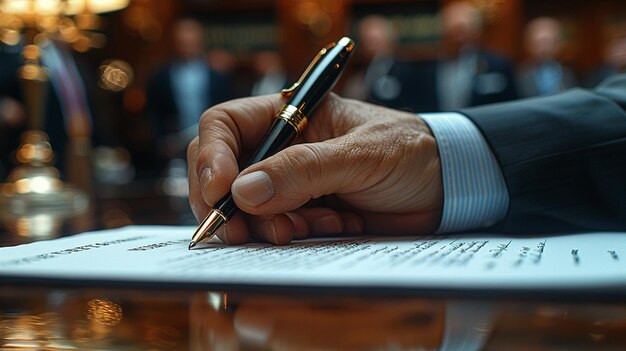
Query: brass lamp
{"points": [[34, 187]]}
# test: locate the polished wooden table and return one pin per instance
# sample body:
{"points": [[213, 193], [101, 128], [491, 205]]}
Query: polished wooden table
{"points": [[64, 318], [34, 317]]}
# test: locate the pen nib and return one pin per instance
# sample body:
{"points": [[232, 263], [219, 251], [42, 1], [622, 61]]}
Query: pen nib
{"points": [[207, 229]]}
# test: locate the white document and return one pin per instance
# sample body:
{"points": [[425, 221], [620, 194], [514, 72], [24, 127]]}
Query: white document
{"points": [[159, 255]]}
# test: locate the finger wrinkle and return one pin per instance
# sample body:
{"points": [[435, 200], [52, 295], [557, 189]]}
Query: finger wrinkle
{"points": [[208, 154], [232, 125], [222, 129]]}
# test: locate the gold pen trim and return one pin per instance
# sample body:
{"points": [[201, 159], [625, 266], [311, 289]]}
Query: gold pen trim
{"points": [[220, 213], [288, 92], [346, 42], [294, 117], [209, 226]]}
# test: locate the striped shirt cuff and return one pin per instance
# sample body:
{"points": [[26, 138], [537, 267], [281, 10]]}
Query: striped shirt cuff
{"points": [[475, 194]]}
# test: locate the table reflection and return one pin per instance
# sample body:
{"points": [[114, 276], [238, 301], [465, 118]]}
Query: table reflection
{"points": [[320, 323], [117, 319]]}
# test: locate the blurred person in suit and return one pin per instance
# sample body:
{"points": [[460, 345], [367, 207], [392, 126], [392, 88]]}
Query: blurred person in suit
{"points": [[271, 77], [380, 77], [182, 89], [544, 74], [466, 73], [614, 60]]}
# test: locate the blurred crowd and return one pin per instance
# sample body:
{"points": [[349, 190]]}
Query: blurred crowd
{"points": [[463, 73]]}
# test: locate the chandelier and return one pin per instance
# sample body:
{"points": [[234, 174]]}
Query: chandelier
{"points": [[76, 21]]}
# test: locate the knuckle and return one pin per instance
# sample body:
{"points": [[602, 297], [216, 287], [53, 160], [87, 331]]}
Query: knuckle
{"points": [[305, 164], [192, 150], [218, 126], [208, 116], [217, 111], [203, 157]]}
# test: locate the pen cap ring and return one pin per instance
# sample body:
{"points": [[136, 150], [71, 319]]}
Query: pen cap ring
{"points": [[294, 117]]}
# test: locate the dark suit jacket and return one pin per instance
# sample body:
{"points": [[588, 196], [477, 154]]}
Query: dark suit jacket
{"points": [[563, 158], [491, 70], [404, 75], [161, 104]]}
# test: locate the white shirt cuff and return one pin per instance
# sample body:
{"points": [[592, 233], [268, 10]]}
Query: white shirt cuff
{"points": [[475, 194]]}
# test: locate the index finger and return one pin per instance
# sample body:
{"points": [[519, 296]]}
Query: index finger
{"points": [[224, 131]]}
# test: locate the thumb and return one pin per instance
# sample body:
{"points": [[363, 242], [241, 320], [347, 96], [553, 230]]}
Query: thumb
{"points": [[292, 177]]}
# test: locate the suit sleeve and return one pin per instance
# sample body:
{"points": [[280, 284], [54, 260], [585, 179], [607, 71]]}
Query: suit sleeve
{"points": [[563, 158]]}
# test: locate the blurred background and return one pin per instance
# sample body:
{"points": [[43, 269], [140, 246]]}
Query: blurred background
{"points": [[98, 99]]}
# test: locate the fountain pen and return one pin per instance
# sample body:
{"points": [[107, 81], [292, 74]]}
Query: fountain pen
{"points": [[304, 96]]}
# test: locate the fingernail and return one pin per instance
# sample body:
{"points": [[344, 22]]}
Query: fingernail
{"points": [[268, 229], [327, 225], [300, 227], [206, 176], [253, 189], [352, 224]]}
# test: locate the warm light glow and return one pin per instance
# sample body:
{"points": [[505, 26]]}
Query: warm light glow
{"points": [[115, 75], [40, 225], [7, 189], [104, 312], [75, 20], [41, 185], [11, 37], [55, 7], [23, 7], [38, 184], [94, 6]]}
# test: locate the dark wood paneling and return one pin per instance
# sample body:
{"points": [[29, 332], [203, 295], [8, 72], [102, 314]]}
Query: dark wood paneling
{"points": [[307, 26]]}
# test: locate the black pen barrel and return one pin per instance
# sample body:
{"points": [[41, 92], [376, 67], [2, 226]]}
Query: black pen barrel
{"points": [[321, 79], [279, 136]]}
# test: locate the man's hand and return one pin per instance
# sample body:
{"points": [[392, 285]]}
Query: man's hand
{"points": [[357, 168]]}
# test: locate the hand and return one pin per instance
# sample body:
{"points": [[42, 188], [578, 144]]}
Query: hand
{"points": [[357, 168]]}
